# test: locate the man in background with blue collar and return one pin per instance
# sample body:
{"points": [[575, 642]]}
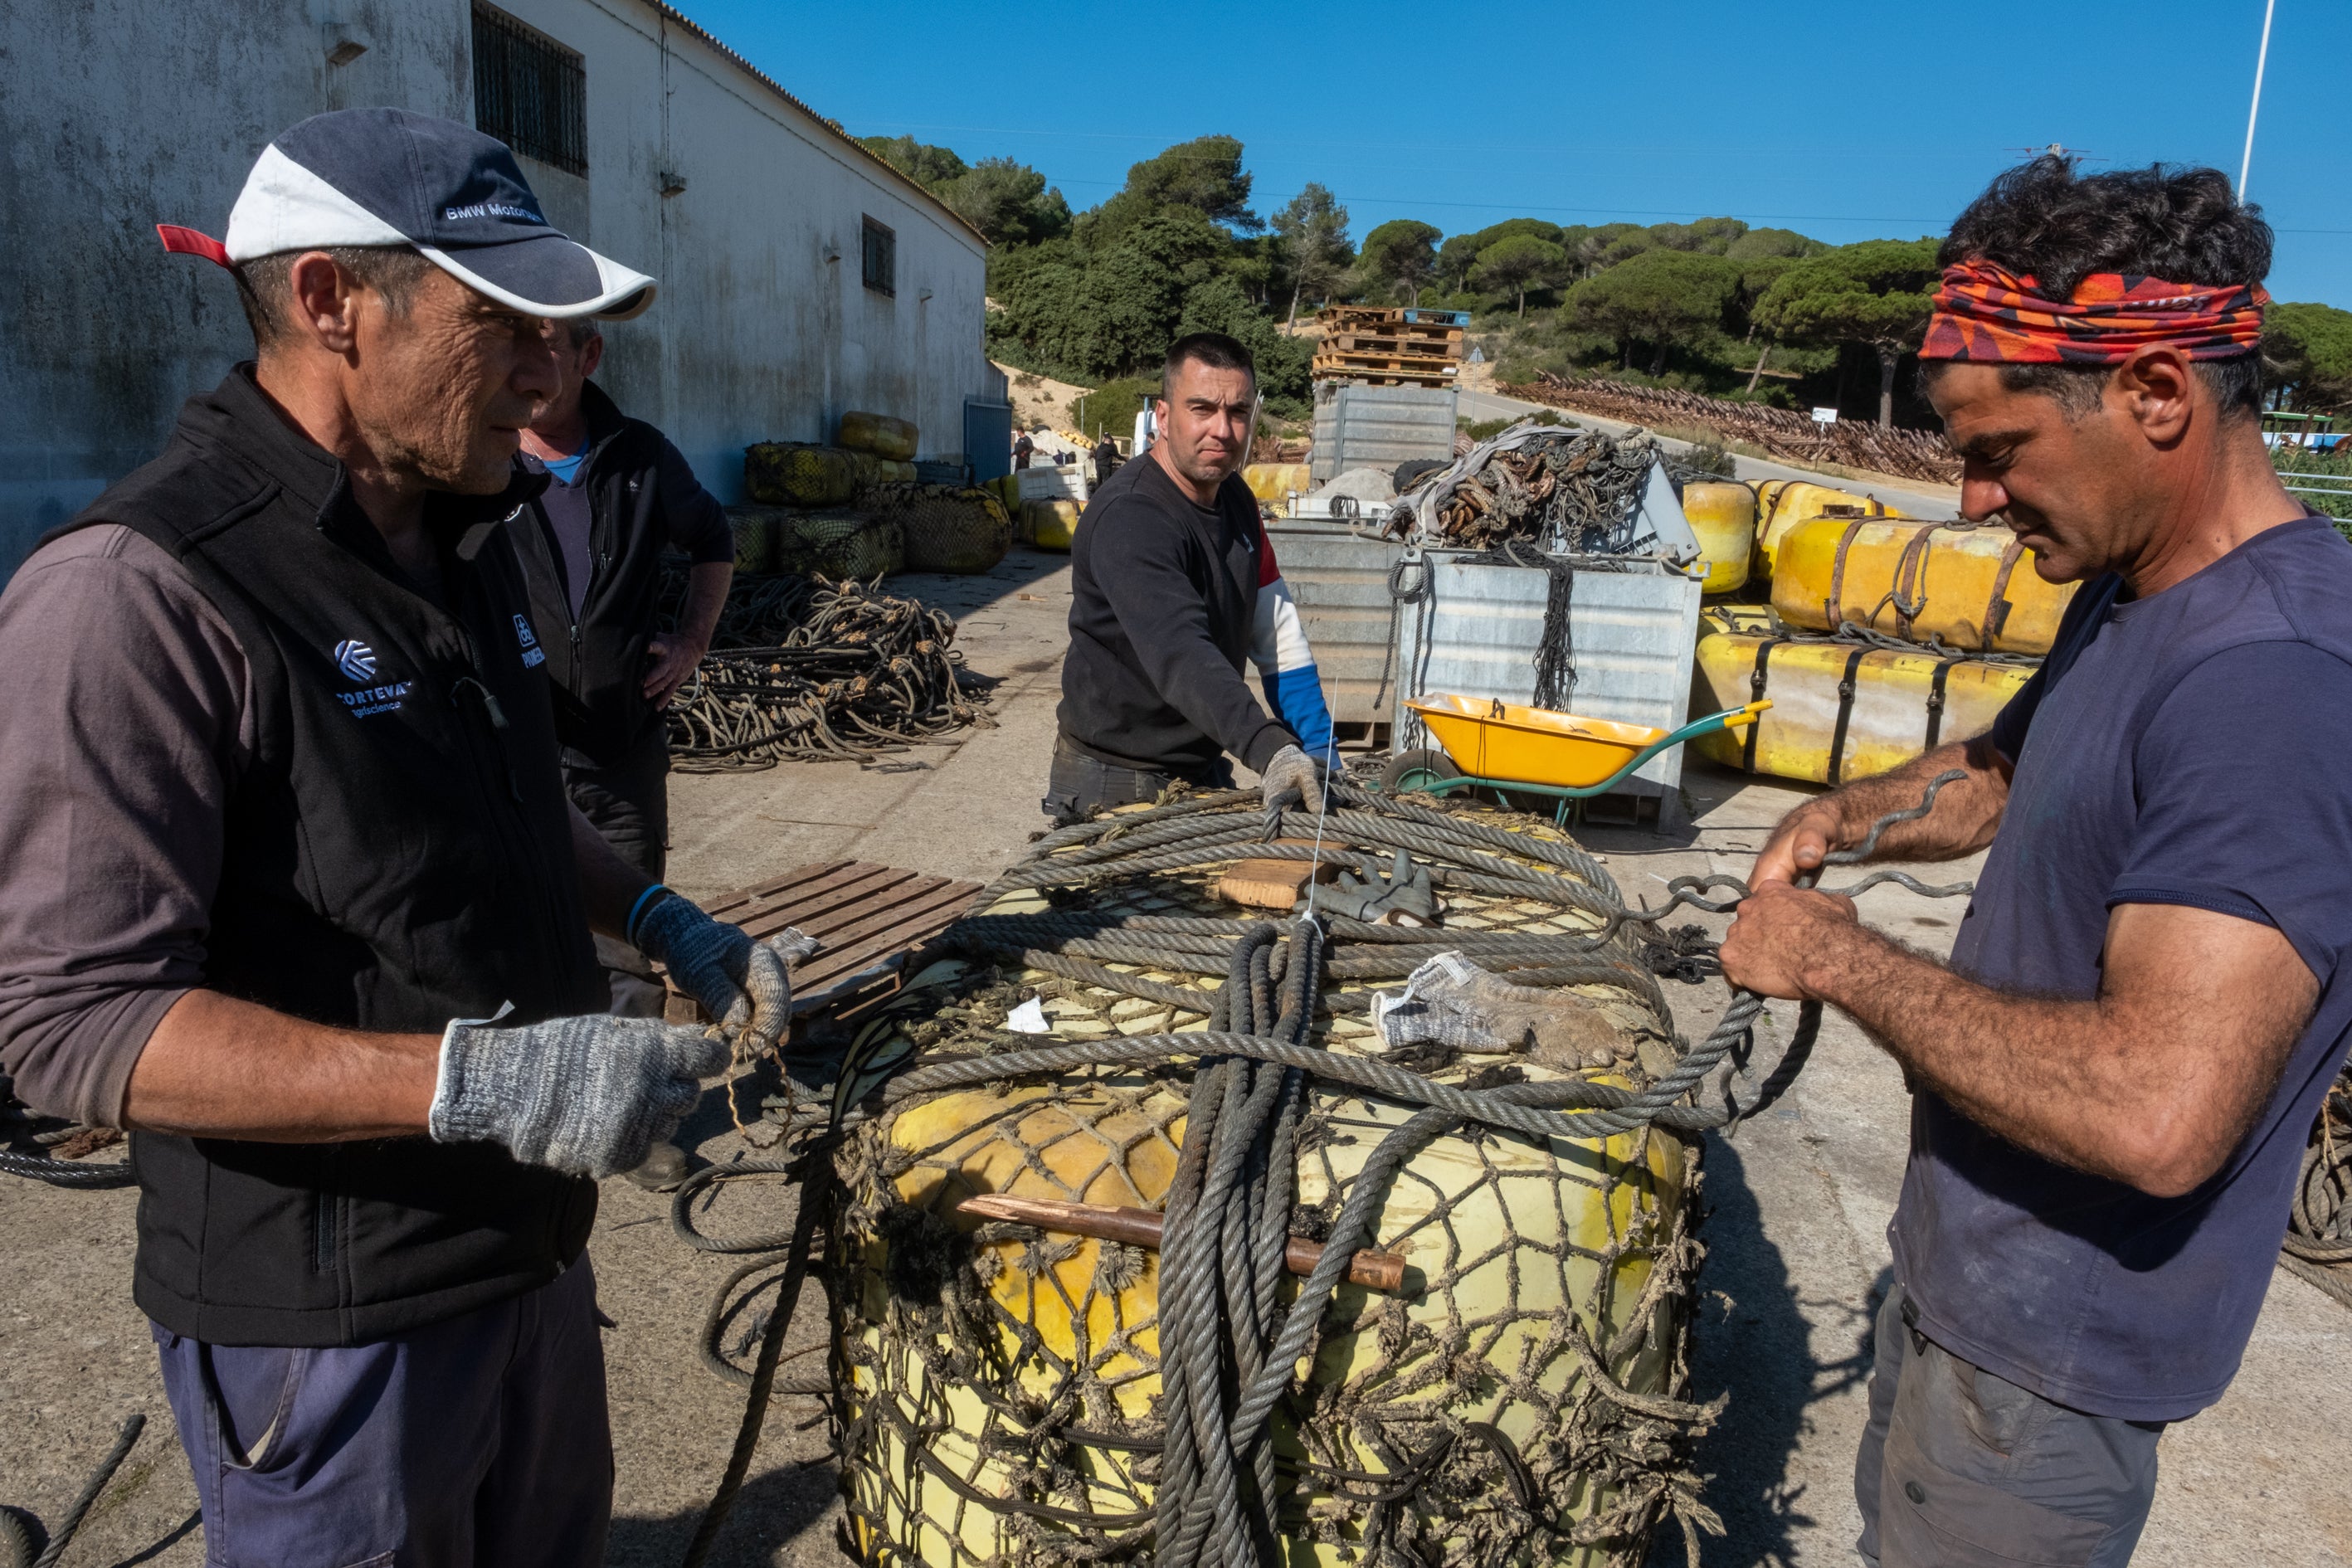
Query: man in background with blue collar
{"points": [[618, 494]]}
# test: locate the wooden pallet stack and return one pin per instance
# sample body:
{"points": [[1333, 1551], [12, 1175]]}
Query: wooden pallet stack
{"points": [[1391, 346]]}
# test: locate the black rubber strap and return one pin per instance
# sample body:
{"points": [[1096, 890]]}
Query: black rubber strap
{"points": [[1936, 700], [1847, 690], [1757, 680]]}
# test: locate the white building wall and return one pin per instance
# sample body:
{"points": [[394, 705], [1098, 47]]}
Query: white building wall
{"points": [[116, 114]]}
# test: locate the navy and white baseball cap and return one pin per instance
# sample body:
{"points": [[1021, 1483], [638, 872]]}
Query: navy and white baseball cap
{"points": [[389, 177]]}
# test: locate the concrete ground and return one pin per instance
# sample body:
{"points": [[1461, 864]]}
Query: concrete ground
{"points": [[1797, 1255]]}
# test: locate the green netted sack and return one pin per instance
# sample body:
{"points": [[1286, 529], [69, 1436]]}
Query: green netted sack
{"points": [[878, 434], [873, 471], [839, 544], [797, 473], [756, 528], [948, 528]]}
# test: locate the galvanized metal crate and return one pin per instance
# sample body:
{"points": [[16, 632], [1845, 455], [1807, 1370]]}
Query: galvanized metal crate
{"points": [[1378, 426], [1632, 628], [1340, 577]]}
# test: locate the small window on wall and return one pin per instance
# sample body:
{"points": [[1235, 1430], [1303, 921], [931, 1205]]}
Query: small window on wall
{"points": [[530, 92], [881, 258]]}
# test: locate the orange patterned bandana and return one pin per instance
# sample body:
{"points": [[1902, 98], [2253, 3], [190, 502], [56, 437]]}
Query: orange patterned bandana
{"points": [[1986, 312]]}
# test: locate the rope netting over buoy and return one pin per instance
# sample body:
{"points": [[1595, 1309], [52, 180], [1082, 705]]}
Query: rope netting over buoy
{"points": [[1215, 1373]]}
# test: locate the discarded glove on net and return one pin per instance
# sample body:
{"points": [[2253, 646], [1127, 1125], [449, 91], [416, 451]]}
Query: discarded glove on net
{"points": [[1406, 898], [1452, 1002]]}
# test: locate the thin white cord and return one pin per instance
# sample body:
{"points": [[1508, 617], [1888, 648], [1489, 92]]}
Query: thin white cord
{"points": [[1315, 866]]}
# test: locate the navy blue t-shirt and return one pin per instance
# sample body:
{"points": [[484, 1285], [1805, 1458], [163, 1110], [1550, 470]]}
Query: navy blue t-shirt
{"points": [[2194, 747]]}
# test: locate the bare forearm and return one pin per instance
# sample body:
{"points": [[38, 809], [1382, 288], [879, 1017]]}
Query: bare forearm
{"points": [[706, 596], [1967, 811], [219, 1068], [609, 885], [2028, 1069], [2131, 1085]]}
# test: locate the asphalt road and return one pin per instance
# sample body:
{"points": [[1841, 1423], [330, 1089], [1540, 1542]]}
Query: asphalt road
{"points": [[1797, 1255]]}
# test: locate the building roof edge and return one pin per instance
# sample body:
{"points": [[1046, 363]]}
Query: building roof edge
{"points": [[856, 148]]}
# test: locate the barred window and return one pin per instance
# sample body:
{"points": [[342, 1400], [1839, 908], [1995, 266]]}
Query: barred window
{"points": [[530, 92], [881, 258]]}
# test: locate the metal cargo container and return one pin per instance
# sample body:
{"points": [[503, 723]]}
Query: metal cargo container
{"points": [[1378, 426], [1340, 577], [1633, 627]]}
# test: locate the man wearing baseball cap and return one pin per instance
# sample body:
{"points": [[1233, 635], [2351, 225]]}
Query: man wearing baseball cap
{"points": [[294, 892]]}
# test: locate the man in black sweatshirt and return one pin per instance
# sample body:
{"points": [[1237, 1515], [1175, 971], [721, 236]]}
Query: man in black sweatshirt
{"points": [[1174, 585]]}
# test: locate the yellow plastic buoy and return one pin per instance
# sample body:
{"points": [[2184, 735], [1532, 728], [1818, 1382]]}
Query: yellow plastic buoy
{"points": [[1723, 516], [1273, 482], [999, 1386], [796, 473], [755, 537], [1783, 504], [1972, 587], [878, 434], [1900, 703], [1050, 524], [1530, 1237]]}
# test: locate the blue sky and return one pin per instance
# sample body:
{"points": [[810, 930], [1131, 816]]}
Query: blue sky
{"points": [[1844, 119]]}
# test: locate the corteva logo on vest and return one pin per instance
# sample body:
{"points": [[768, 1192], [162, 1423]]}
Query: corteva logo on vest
{"points": [[357, 661], [532, 653]]}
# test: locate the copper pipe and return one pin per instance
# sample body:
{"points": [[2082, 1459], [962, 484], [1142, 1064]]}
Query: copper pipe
{"points": [[1142, 1227]]}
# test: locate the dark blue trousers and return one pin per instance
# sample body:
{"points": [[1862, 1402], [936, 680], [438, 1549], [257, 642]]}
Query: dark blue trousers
{"points": [[481, 1440]]}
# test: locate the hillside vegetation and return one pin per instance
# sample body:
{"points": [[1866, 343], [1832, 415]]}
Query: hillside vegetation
{"points": [[1714, 306]]}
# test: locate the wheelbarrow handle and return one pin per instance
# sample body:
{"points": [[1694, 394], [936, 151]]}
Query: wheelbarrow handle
{"points": [[1729, 718]]}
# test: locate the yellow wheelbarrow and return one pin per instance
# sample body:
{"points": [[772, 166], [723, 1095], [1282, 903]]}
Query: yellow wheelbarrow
{"points": [[1506, 746]]}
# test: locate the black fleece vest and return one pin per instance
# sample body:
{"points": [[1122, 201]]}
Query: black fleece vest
{"points": [[398, 854], [597, 663]]}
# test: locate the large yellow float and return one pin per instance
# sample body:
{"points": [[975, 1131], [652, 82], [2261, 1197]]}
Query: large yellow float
{"points": [[1519, 1400], [1970, 586]]}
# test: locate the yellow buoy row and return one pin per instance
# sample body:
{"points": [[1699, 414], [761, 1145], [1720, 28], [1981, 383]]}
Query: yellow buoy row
{"points": [[1841, 711], [1834, 559], [1972, 587]]}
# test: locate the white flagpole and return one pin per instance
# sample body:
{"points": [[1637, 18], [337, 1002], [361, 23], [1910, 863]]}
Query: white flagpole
{"points": [[2261, 60]]}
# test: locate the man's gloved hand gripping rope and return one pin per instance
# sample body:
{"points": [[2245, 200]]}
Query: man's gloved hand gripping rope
{"points": [[592, 1095]]}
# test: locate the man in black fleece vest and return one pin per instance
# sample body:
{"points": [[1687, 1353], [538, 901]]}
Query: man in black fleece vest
{"points": [[295, 894]]}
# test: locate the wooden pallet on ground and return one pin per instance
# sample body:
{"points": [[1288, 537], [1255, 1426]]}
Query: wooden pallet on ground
{"points": [[868, 916]]}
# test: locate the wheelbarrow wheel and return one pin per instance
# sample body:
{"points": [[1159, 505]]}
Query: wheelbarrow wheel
{"points": [[1416, 770]]}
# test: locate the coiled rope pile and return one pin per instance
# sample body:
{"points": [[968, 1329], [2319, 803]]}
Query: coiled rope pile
{"points": [[803, 666], [1376, 1464], [1567, 489], [2318, 1246]]}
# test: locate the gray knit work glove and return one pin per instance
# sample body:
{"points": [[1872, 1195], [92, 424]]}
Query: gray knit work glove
{"points": [[1291, 768], [1453, 1002], [585, 1096], [743, 985]]}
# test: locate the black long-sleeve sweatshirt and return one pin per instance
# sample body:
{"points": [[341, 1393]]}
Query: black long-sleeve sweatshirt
{"points": [[1164, 599]]}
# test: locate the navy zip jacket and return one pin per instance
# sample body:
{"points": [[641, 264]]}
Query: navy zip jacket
{"points": [[642, 498]]}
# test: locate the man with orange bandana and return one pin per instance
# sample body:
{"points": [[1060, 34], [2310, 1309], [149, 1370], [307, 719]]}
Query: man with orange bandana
{"points": [[2114, 1077]]}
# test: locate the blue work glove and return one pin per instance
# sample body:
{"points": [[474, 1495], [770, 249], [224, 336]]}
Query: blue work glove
{"points": [[744, 986]]}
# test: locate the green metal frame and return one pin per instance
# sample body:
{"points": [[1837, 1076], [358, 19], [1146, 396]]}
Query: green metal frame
{"points": [[1566, 794]]}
